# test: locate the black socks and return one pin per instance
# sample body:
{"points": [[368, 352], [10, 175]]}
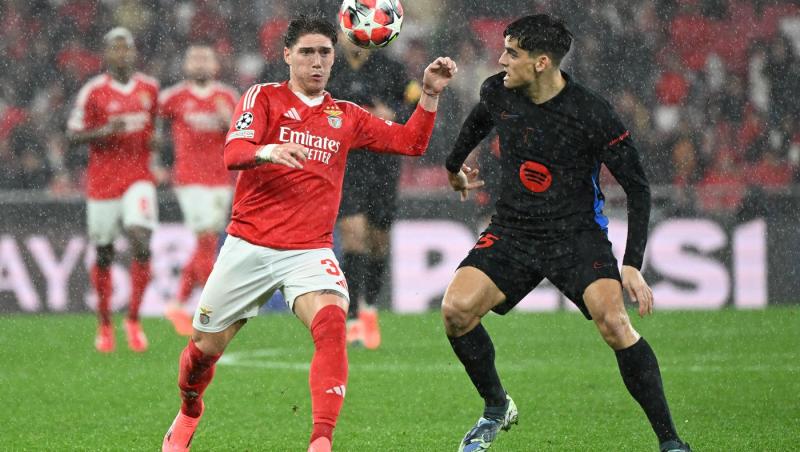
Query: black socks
{"points": [[355, 266], [374, 282], [476, 352], [639, 369]]}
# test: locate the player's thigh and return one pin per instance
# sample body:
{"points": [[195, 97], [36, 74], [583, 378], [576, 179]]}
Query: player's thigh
{"points": [[353, 232], [140, 206], [472, 292], [603, 297], [103, 220], [577, 261], [306, 271], [240, 282], [502, 259], [204, 208]]}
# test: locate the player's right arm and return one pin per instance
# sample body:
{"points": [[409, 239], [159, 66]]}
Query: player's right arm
{"points": [[476, 127], [104, 132], [244, 146], [83, 126]]}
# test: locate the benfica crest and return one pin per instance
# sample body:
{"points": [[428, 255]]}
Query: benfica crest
{"points": [[334, 117], [335, 121]]}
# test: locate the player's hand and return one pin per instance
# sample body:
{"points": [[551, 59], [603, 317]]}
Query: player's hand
{"points": [[289, 154], [639, 292], [438, 75], [112, 127], [464, 180]]}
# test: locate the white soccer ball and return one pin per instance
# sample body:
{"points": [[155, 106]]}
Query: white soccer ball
{"points": [[371, 23]]}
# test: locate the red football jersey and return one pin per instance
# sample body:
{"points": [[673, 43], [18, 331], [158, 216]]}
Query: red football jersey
{"points": [[116, 163], [286, 208], [197, 132]]}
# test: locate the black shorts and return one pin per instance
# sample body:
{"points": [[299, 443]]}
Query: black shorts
{"points": [[517, 263], [370, 187]]}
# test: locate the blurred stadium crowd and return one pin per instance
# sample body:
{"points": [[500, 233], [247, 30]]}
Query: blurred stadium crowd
{"points": [[710, 88]]}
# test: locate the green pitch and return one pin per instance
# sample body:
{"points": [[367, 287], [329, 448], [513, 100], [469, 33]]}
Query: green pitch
{"points": [[732, 379]]}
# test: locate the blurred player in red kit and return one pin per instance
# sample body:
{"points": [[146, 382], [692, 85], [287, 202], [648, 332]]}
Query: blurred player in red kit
{"points": [[290, 140], [200, 110], [114, 113]]}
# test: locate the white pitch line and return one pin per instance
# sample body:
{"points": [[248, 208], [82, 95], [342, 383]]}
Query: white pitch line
{"points": [[264, 359], [251, 359]]}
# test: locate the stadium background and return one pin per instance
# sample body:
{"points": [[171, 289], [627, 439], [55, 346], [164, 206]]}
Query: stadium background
{"points": [[709, 89]]}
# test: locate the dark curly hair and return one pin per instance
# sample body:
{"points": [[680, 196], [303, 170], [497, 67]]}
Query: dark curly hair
{"points": [[308, 24], [541, 33]]}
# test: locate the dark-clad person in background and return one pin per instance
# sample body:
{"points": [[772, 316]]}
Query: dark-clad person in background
{"points": [[369, 194]]}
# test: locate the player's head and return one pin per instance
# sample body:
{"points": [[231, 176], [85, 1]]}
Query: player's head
{"points": [[200, 63], [308, 51], [533, 45], [120, 50]]}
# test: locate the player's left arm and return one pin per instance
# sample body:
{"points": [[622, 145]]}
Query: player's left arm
{"points": [[621, 157], [412, 137]]}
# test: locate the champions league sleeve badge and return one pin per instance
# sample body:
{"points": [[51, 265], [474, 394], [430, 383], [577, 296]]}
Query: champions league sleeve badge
{"points": [[244, 121]]}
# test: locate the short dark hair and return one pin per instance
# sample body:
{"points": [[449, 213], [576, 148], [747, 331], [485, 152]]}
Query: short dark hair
{"points": [[304, 25], [541, 33]]}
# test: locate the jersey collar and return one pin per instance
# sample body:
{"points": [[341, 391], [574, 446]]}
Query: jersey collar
{"points": [[315, 102], [201, 91], [124, 88]]}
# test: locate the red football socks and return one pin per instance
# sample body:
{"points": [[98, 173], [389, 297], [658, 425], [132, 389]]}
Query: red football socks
{"points": [[140, 277], [199, 266], [328, 375], [187, 281], [101, 278], [207, 247], [196, 372]]}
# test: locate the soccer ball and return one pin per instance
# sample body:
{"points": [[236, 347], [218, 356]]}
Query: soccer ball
{"points": [[371, 24]]}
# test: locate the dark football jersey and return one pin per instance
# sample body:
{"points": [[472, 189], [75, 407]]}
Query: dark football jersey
{"points": [[551, 155]]}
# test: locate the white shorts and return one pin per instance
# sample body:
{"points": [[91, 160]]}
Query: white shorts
{"points": [[138, 206], [204, 207], [245, 276]]}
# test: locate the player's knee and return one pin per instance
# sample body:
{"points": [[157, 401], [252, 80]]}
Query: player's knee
{"points": [[207, 343], [140, 249], [456, 315], [616, 329], [105, 256], [215, 343], [141, 254], [140, 243]]}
